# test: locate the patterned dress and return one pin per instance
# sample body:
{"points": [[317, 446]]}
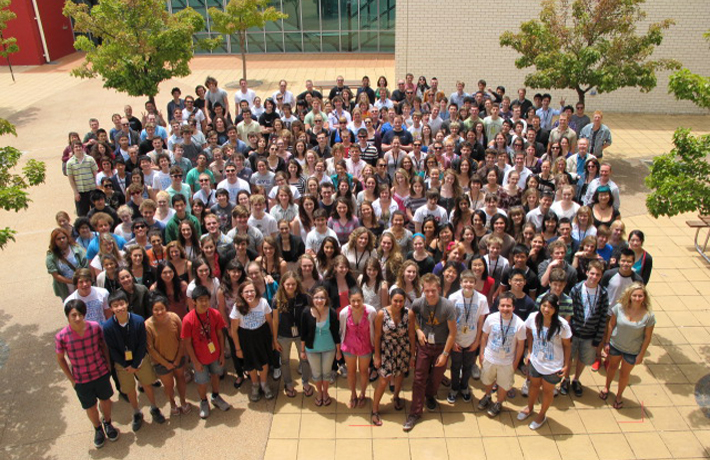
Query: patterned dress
{"points": [[395, 347]]}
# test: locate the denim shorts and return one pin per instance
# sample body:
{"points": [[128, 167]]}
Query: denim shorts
{"points": [[162, 370], [549, 378], [350, 355], [213, 368], [629, 358]]}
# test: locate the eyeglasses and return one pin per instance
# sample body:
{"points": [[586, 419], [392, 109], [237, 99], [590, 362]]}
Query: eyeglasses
{"points": [[362, 137], [417, 145], [368, 122], [108, 185], [410, 92], [124, 124], [319, 121], [437, 148], [381, 165]]}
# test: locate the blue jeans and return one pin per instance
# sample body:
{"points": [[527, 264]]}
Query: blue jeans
{"points": [[321, 364]]}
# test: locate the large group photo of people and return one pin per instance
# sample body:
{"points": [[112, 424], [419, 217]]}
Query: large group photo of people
{"points": [[369, 234]]}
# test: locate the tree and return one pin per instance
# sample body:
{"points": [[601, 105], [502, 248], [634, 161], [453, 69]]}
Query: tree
{"points": [[586, 44], [9, 45], [686, 85], [13, 187], [680, 180], [136, 43], [239, 16]]}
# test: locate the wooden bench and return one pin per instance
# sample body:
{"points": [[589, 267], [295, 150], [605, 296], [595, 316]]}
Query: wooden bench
{"points": [[328, 84], [702, 224]]}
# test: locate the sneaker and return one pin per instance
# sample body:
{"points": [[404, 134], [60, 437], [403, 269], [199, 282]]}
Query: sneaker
{"points": [[220, 403], [137, 421], [475, 372], [555, 392], [522, 415], [431, 404], [495, 409], [277, 373], [511, 393], [597, 364], [268, 392], [204, 409], [534, 425], [451, 399], [525, 389], [255, 394], [111, 432], [577, 388], [99, 437], [157, 415], [564, 387], [411, 421], [466, 395], [484, 402], [343, 371]]}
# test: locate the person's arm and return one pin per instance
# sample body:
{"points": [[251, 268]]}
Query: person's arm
{"points": [[234, 331], [450, 341], [482, 347], [567, 348], [648, 333], [378, 338], [61, 360], [72, 183], [222, 305], [529, 341], [273, 320], [609, 329], [191, 353], [519, 349], [220, 340], [384, 294]]}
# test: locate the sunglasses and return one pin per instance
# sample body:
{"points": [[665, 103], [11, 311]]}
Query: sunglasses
{"points": [[136, 227], [176, 176]]}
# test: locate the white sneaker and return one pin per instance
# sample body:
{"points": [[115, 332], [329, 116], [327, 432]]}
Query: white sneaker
{"points": [[277, 373], [475, 372], [204, 409], [525, 388], [220, 403]]}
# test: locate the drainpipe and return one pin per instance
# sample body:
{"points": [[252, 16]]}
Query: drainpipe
{"points": [[41, 30]]}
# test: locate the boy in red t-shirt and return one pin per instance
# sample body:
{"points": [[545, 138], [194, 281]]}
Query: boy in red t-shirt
{"points": [[202, 333]]}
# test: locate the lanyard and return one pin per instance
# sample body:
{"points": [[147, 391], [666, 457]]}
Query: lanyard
{"points": [[358, 259], [205, 328], [125, 332], [467, 308], [504, 332], [591, 303]]}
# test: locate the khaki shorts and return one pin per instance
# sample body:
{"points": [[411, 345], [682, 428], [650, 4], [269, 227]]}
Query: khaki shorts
{"points": [[494, 373], [145, 375]]}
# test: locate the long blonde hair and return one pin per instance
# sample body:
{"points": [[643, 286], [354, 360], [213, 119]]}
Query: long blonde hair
{"points": [[625, 299]]}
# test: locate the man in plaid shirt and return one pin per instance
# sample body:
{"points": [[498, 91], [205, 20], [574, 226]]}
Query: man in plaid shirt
{"points": [[82, 343]]}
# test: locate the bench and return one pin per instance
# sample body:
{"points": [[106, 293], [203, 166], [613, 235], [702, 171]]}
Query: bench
{"points": [[702, 224], [352, 84]]}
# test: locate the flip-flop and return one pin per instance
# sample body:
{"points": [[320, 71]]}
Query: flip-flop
{"points": [[353, 402], [603, 394], [398, 403], [290, 392], [308, 391], [375, 419], [318, 402], [361, 401], [327, 401], [618, 404]]}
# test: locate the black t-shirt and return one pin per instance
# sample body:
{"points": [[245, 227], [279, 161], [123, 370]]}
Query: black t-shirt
{"points": [[531, 281]]}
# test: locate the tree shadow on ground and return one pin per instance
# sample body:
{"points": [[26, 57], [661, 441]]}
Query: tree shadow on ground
{"points": [[20, 118]]}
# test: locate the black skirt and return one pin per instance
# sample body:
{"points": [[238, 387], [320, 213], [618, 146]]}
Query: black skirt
{"points": [[256, 345]]}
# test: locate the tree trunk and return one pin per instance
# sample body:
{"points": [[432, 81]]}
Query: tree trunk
{"points": [[242, 46], [580, 95]]}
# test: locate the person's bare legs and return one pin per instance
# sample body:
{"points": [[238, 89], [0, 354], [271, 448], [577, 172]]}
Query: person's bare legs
{"points": [[168, 381], [181, 384], [533, 393], [624, 376], [364, 365], [548, 394], [614, 362], [351, 365], [382, 383]]}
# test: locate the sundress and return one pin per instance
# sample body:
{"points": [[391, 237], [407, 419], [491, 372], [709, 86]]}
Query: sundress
{"points": [[395, 346]]}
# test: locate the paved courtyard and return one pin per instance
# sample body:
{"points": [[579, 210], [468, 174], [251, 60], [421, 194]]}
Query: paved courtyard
{"points": [[40, 417]]}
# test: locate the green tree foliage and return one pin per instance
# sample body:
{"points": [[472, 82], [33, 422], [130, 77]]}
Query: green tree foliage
{"points": [[134, 44], [586, 44], [13, 186], [680, 180], [239, 16], [8, 45], [689, 86]]}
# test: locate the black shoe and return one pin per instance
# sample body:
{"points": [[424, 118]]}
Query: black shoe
{"points": [[157, 384], [158, 417], [137, 421], [577, 388], [431, 404], [111, 432], [411, 421], [99, 437], [140, 388]]}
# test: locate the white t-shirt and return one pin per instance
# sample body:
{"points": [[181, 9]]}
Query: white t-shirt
{"points": [[439, 215], [96, 303], [502, 341], [468, 312], [161, 180], [570, 213], [255, 318], [248, 96], [267, 224], [547, 357], [314, 240], [234, 188]]}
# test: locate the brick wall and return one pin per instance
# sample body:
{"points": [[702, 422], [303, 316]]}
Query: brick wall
{"points": [[459, 40]]}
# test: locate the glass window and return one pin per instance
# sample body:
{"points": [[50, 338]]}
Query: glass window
{"points": [[222, 48], [274, 43], [197, 4], [311, 18], [331, 42], [179, 5], [349, 40], [272, 26], [255, 42], [387, 42], [311, 42], [368, 14], [330, 14], [236, 49], [293, 42], [292, 8], [387, 17], [368, 42]]}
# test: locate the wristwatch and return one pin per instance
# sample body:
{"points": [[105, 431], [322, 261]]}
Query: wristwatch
{"points": [[445, 353]]}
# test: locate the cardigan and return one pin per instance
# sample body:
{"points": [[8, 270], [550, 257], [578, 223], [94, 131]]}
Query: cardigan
{"points": [[308, 327]]}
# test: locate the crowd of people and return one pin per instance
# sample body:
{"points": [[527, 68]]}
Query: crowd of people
{"points": [[371, 233]]}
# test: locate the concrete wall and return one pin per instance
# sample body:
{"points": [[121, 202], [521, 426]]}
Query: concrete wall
{"points": [[459, 40]]}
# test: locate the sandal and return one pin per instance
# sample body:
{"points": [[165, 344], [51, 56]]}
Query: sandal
{"points": [[361, 401], [398, 403], [618, 404], [308, 391], [318, 401], [290, 392], [375, 418], [603, 394], [327, 401], [353, 402], [238, 382]]}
